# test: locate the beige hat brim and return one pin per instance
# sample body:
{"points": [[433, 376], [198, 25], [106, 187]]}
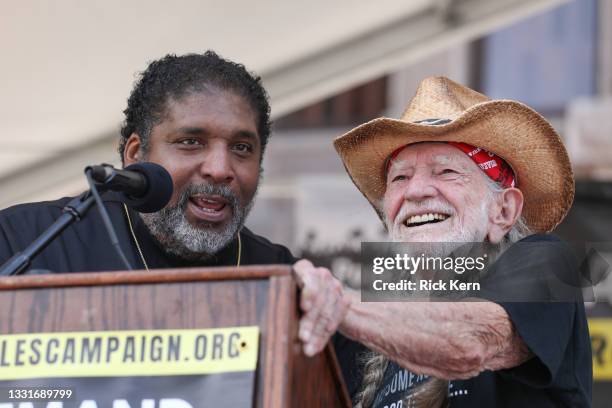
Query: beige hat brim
{"points": [[507, 128]]}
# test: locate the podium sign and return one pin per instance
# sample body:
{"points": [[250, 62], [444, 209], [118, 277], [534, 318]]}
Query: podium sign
{"points": [[160, 339]]}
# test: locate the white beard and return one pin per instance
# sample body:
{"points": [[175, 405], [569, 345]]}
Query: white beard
{"points": [[439, 245]]}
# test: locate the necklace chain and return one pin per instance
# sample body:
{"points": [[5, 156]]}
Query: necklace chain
{"points": [[144, 262]]}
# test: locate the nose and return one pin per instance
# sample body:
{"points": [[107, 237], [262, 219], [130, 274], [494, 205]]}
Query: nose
{"points": [[420, 187], [217, 167]]}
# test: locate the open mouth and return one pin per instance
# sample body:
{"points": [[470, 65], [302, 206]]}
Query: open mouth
{"points": [[422, 219], [210, 208], [209, 204]]}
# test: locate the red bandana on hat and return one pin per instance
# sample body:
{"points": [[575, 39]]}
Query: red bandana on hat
{"points": [[494, 166]]}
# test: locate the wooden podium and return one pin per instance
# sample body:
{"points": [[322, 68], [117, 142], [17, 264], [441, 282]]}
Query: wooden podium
{"points": [[263, 296]]}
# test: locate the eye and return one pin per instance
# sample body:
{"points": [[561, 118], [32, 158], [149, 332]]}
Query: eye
{"points": [[448, 171], [243, 147], [189, 142], [398, 178]]}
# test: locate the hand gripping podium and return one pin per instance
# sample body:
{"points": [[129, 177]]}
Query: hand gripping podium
{"points": [[203, 337]]}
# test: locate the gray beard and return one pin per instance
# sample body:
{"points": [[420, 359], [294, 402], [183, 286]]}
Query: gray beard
{"points": [[180, 238]]}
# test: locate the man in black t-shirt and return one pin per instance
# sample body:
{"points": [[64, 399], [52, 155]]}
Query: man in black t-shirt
{"points": [[559, 370], [207, 121], [457, 168]]}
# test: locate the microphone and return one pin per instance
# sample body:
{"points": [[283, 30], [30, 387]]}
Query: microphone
{"points": [[146, 187]]}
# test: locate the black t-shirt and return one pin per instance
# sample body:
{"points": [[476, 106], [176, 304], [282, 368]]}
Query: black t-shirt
{"points": [[559, 374], [85, 245]]}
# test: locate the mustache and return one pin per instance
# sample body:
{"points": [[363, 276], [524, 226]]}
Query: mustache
{"points": [[425, 205], [221, 190]]}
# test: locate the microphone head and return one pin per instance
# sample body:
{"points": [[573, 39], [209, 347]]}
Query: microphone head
{"points": [[159, 188]]}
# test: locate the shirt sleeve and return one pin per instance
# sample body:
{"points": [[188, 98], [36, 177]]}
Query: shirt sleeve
{"points": [[7, 246], [20, 225], [287, 257], [536, 281], [546, 329]]}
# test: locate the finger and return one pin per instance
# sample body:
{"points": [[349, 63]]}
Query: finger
{"points": [[305, 331], [313, 348], [317, 341], [331, 313], [317, 291], [329, 326], [311, 291], [307, 279], [314, 297], [328, 309], [340, 309], [308, 323], [299, 268]]}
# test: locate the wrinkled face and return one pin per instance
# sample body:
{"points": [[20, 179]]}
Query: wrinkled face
{"points": [[209, 144], [436, 193]]}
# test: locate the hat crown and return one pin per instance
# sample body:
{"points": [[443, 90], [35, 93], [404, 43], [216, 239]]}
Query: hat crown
{"points": [[440, 98]]}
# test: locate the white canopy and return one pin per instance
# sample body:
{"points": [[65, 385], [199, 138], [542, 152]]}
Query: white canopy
{"points": [[68, 65]]}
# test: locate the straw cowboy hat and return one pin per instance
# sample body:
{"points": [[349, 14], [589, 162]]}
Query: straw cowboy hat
{"points": [[511, 130]]}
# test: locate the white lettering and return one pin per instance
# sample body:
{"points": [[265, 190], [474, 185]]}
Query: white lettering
{"points": [[456, 285], [488, 165], [377, 267], [174, 403], [402, 380], [425, 284], [417, 263]]}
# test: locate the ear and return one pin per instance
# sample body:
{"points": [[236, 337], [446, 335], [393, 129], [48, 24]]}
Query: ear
{"points": [[504, 213], [131, 152]]}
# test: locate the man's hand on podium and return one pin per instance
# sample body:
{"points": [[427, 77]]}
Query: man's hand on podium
{"points": [[323, 302]]}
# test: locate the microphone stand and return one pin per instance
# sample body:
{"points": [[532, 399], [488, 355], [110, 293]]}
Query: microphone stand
{"points": [[72, 212], [99, 179]]}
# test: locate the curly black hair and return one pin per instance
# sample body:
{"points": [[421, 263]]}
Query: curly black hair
{"points": [[173, 77]]}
